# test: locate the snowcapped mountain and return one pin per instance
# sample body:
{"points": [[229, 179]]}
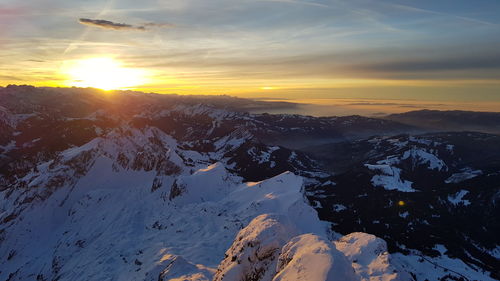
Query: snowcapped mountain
{"points": [[436, 193], [133, 186]]}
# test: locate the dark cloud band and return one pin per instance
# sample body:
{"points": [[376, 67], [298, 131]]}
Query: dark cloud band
{"points": [[464, 63], [106, 24]]}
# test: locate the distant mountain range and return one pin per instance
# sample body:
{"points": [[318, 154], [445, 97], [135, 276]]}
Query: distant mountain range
{"points": [[132, 186]]}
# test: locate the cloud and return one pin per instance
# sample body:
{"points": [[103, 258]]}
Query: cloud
{"points": [[374, 103], [160, 25], [426, 11], [11, 78], [379, 114], [467, 63], [393, 104], [308, 3], [106, 24], [440, 62]]}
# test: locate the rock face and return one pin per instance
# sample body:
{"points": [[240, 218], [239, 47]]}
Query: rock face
{"points": [[133, 186]]}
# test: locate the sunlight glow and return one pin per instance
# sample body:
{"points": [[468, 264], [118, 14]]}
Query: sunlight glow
{"points": [[103, 73]]}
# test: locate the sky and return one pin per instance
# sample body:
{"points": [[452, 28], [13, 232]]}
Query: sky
{"points": [[441, 51]]}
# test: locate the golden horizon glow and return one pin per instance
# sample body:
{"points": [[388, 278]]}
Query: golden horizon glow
{"points": [[331, 52], [103, 73]]}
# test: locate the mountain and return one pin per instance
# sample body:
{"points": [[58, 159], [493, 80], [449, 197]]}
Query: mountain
{"points": [[131, 186], [435, 193], [452, 120]]}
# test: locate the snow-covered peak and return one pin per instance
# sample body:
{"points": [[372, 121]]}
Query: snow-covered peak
{"points": [[463, 175], [281, 194], [310, 257], [255, 250], [172, 267], [203, 109], [457, 198], [422, 157], [270, 249], [370, 258], [390, 178], [210, 183]]}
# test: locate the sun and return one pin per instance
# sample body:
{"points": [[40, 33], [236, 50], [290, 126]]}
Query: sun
{"points": [[104, 73]]}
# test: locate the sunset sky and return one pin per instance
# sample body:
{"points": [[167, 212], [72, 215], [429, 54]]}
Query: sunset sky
{"points": [[444, 50]]}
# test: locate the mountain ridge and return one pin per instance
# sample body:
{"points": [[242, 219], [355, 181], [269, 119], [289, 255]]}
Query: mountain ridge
{"points": [[154, 190]]}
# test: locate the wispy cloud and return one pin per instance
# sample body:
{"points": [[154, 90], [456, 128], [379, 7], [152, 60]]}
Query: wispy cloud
{"points": [[436, 13], [395, 104], [160, 25], [307, 3], [394, 63], [106, 24], [12, 78]]}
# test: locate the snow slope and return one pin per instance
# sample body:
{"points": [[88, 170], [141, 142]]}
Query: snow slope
{"points": [[138, 187], [369, 257], [310, 257], [390, 178], [133, 207]]}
